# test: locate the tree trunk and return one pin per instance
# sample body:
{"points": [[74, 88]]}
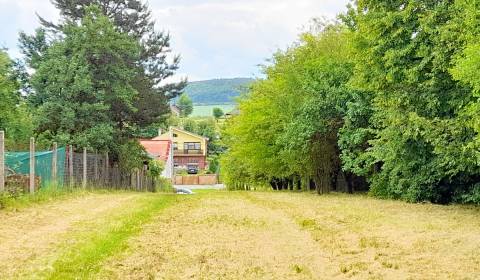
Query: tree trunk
{"points": [[349, 179]]}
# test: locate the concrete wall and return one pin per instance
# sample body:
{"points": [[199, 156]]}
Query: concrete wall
{"points": [[169, 169]]}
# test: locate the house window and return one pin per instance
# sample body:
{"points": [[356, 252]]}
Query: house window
{"points": [[175, 135], [192, 146], [175, 146]]}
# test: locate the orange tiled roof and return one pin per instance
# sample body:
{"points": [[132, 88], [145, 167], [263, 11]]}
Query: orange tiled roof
{"points": [[157, 149]]}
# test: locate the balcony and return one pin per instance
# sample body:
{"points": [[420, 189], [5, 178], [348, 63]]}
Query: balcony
{"points": [[188, 152]]}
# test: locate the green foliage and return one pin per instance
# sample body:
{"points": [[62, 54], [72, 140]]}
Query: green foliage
{"points": [[99, 74], [392, 95], [403, 54], [34, 47], [206, 128], [206, 110], [155, 168], [213, 164], [289, 122], [164, 185], [185, 104], [154, 64], [219, 91], [83, 85], [15, 118], [131, 156], [217, 113], [9, 94]]}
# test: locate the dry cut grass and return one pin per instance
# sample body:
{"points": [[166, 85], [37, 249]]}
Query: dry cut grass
{"points": [[220, 237], [239, 235], [366, 238], [303, 236]]}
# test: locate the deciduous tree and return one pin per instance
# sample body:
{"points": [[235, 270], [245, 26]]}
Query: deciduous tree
{"points": [[185, 104]]}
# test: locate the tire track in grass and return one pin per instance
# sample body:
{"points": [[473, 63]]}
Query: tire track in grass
{"points": [[83, 260], [219, 236]]}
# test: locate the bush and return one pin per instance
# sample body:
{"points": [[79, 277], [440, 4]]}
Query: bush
{"points": [[471, 196], [4, 199], [155, 168], [131, 156], [163, 185]]}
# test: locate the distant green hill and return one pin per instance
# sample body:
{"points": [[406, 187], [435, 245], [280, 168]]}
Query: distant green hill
{"points": [[220, 91]]}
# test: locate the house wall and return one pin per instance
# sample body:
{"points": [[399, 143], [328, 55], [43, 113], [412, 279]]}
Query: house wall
{"points": [[168, 171], [186, 138], [183, 161]]}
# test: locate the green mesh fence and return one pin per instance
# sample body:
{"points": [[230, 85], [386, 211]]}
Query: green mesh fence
{"points": [[19, 162]]}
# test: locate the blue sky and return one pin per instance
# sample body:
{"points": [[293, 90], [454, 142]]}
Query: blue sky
{"points": [[216, 38]]}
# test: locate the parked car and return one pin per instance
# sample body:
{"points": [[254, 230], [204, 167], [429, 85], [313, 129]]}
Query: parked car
{"points": [[192, 169]]}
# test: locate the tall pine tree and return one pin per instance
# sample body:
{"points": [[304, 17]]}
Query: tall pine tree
{"points": [[131, 17]]}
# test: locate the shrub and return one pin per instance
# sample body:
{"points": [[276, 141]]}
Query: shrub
{"points": [[155, 168], [163, 185]]}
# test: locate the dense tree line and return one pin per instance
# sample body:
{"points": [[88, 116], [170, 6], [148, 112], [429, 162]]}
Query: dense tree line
{"points": [[388, 95], [15, 118], [96, 77]]}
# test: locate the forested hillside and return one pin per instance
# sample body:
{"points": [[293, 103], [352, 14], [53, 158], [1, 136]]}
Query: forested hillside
{"points": [[219, 91]]}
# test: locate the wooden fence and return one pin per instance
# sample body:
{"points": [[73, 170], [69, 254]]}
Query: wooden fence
{"points": [[196, 180], [94, 170], [82, 170]]}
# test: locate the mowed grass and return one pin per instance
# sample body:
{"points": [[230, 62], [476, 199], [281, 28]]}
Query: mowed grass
{"points": [[246, 235], [69, 234], [84, 259], [207, 110], [367, 238], [255, 235]]}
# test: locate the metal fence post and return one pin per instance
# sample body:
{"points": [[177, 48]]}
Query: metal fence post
{"points": [[32, 165], [2, 161], [54, 164], [84, 180]]}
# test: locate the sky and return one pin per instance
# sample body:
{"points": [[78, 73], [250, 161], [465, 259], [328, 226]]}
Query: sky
{"points": [[215, 38]]}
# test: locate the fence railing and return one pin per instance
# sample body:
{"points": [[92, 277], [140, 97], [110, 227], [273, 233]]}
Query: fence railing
{"points": [[65, 168], [187, 152]]}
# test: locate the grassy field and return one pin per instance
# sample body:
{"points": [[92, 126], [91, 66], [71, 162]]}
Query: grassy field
{"points": [[207, 110], [235, 235]]}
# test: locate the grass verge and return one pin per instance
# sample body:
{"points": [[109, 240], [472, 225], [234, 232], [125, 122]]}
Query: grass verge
{"points": [[84, 260], [10, 201]]}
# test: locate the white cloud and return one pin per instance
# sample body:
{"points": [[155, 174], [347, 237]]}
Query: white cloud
{"points": [[216, 38], [16, 16], [229, 38]]}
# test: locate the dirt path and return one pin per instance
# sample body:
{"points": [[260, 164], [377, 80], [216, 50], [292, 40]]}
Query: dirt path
{"points": [[220, 237], [33, 236]]}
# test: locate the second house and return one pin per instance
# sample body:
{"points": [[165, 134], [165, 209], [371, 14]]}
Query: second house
{"points": [[189, 149]]}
